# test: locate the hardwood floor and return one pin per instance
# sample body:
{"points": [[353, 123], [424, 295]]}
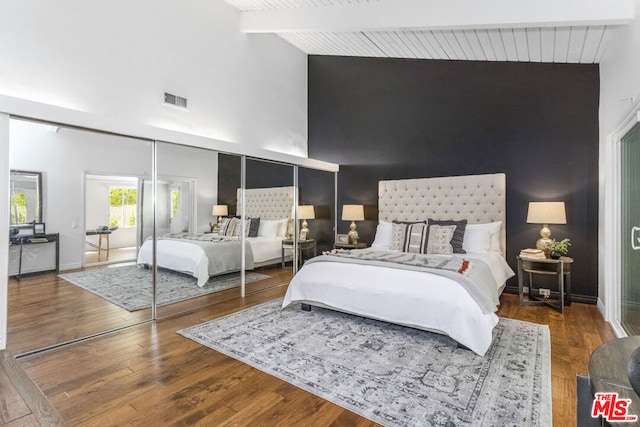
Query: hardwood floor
{"points": [[45, 310], [148, 374]]}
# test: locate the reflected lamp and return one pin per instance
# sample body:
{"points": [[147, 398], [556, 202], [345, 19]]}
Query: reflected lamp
{"points": [[220, 211]]}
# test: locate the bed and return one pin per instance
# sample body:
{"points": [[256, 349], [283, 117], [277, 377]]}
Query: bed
{"points": [[436, 292], [203, 255]]}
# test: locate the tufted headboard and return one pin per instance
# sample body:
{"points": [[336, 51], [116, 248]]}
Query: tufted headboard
{"points": [[476, 198], [267, 203]]}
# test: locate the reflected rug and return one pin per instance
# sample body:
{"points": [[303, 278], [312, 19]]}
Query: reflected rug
{"points": [[390, 374], [130, 286]]}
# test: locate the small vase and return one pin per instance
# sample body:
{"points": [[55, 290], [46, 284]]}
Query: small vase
{"points": [[555, 255]]}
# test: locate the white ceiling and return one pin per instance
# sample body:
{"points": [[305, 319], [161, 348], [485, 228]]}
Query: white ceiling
{"points": [[561, 31]]}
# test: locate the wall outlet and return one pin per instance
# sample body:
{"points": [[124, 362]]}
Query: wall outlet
{"points": [[545, 292]]}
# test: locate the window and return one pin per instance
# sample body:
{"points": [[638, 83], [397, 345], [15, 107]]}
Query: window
{"points": [[123, 207], [18, 208], [175, 203]]}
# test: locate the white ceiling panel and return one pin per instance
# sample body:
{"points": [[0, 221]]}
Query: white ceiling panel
{"points": [[561, 31]]}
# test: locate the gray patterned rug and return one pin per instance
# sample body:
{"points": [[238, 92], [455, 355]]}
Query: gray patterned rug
{"points": [[130, 286], [391, 374]]}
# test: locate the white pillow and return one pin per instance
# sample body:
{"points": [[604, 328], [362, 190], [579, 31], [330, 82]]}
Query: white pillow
{"points": [[268, 228], [282, 227], [382, 240], [482, 237]]}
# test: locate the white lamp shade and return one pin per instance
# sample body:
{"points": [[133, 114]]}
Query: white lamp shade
{"points": [[220, 210], [353, 213], [546, 213], [306, 212]]}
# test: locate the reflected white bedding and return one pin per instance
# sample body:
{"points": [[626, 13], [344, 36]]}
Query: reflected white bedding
{"points": [[411, 298], [190, 258]]}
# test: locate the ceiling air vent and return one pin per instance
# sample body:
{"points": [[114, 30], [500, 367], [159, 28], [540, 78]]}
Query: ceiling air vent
{"points": [[175, 100]]}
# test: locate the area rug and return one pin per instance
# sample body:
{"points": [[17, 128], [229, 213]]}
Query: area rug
{"points": [[390, 374], [130, 286]]}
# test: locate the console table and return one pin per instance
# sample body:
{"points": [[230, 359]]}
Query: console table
{"points": [[35, 256]]}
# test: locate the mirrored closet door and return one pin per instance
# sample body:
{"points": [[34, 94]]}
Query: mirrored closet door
{"points": [[317, 196], [91, 213], [198, 235], [269, 201]]}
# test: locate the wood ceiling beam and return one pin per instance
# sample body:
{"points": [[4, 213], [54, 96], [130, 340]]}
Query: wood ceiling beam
{"points": [[431, 14]]}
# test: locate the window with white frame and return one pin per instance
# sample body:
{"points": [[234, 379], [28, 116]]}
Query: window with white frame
{"points": [[123, 209]]}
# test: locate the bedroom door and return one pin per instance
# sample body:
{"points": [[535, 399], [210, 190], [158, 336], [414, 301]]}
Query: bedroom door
{"points": [[630, 231]]}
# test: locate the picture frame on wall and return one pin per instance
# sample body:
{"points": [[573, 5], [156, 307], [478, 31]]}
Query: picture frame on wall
{"points": [[342, 238]]}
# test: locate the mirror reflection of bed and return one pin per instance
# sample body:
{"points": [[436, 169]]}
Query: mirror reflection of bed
{"points": [[46, 309]]}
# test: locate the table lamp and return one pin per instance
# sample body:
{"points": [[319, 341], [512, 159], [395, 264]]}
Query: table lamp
{"points": [[546, 213], [353, 213], [220, 211], [306, 212]]}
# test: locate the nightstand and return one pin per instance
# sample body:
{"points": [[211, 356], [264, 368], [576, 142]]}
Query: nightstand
{"points": [[561, 268], [350, 245], [304, 247]]}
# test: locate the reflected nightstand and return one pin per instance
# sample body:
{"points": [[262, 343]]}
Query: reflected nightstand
{"points": [[305, 247]]}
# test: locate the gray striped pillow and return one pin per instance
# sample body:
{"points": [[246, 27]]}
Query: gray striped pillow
{"points": [[415, 238]]}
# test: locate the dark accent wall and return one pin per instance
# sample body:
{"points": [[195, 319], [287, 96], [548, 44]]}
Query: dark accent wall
{"points": [[316, 188], [398, 118]]}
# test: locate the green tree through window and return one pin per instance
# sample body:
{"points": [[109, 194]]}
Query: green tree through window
{"points": [[19, 208], [123, 207], [175, 203]]}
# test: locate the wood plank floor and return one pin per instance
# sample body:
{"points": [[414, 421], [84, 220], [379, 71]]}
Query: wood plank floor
{"points": [[45, 310], [149, 375]]}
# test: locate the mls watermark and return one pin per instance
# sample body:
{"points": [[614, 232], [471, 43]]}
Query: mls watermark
{"points": [[612, 409]]}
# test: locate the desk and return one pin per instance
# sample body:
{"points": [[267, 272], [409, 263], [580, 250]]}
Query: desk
{"points": [[101, 234], [608, 370], [561, 268], [303, 246], [33, 257]]}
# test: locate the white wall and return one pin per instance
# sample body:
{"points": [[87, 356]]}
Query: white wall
{"points": [[619, 92], [117, 58], [65, 155]]}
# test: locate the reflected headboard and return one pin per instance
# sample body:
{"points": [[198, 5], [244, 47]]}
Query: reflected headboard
{"points": [[267, 203], [476, 198]]}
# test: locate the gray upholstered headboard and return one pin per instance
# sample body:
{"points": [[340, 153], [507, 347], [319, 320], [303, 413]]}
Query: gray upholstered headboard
{"points": [[267, 203], [476, 198]]}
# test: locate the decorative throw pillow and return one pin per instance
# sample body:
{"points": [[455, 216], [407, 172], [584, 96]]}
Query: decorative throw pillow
{"points": [[397, 236], [224, 227], [415, 238], [237, 228], [458, 236], [440, 239], [254, 226], [398, 231]]}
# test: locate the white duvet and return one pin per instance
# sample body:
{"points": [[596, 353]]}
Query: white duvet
{"points": [[189, 258], [411, 298]]}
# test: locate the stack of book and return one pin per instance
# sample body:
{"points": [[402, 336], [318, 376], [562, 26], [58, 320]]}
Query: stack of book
{"points": [[532, 253]]}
